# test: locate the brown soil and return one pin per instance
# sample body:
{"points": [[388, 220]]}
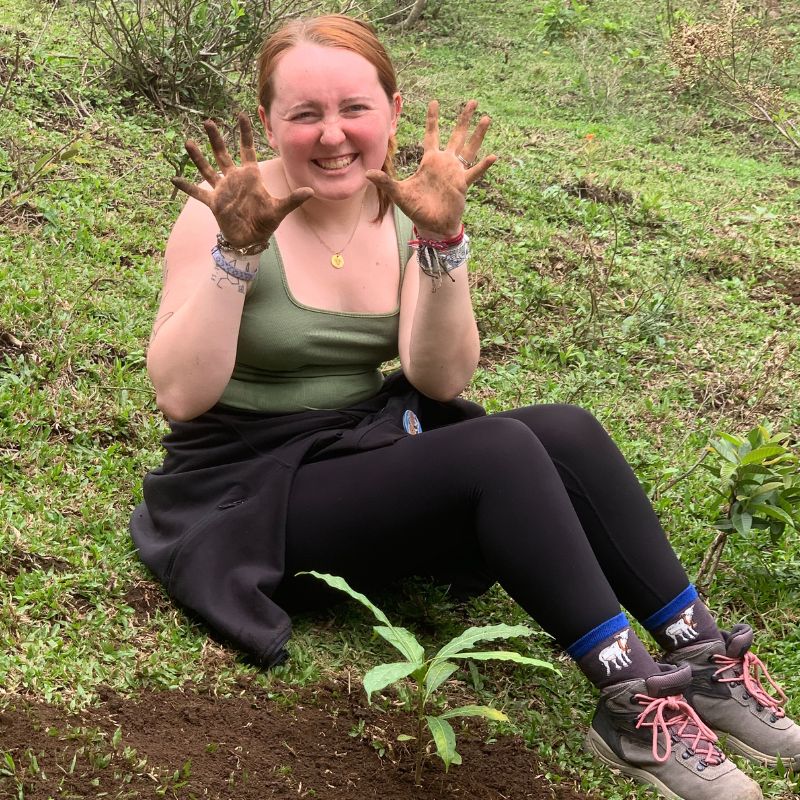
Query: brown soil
{"points": [[323, 743]]}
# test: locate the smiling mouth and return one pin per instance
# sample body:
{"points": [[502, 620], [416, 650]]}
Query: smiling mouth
{"points": [[332, 164]]}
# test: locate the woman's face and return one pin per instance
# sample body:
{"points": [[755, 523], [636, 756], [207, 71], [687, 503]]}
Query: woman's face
{"points": [[330, 120]]}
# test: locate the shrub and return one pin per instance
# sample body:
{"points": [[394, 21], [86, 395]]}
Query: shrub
{"points": [[732, 57], [561, 19], [758, 489], [187, 55]]}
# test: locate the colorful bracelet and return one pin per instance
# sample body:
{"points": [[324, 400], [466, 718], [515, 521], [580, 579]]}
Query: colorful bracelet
{"points": [[229, 268], [439, 257], [437, 244]]}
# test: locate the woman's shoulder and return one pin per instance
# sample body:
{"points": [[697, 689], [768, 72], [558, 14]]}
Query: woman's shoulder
{"points": [[274, 176]]}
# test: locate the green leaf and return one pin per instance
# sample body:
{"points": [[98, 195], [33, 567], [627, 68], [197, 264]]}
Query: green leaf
{"points": [[767, 488], [444, 737], [742, 521], [726, 471], [761, 454], [487, 712], [335, 582], [404, 641], [384, 675], [41, 163], [774, 512], [404, 737], [506, 655], [438, 673], [471, 636], [753, 470], [400, 638], [725, 449]]}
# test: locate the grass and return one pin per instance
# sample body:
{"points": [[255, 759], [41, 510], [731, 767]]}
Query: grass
{"points": [[631, 250]]}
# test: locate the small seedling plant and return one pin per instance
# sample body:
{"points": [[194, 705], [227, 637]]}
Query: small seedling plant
{"points": [[429, 674], [758, 489]]}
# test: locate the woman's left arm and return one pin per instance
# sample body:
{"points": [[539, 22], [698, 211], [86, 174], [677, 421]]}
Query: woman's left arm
{"points": [[438, 340]]}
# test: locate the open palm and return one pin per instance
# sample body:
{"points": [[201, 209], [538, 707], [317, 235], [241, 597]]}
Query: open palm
{"points": [[245, 211], [435, 195]]}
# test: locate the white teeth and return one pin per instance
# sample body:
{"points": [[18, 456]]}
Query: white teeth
{"points": [[336, 163]]}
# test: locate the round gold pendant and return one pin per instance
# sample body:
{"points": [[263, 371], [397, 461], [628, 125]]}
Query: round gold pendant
{"points": [[337, 261]]}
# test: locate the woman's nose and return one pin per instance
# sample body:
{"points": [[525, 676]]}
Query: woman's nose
{"points": [[332, 133]]}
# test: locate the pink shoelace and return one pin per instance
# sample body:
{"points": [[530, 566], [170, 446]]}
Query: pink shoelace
{"points": [[682, 723], [749, 670]]}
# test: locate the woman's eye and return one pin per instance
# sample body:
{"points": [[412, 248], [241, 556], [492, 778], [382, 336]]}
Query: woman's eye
{"points": [[302, 116], [356, 108]]}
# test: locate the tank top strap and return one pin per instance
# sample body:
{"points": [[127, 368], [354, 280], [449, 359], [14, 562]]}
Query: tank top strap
{"points": [[405, 231]]}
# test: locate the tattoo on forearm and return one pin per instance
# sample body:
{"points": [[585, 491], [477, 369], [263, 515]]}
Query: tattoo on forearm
{"points": [[220, 277], [159, 323]]}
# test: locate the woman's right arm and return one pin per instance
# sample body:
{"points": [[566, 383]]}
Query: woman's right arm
{"points": [[193, 345]]}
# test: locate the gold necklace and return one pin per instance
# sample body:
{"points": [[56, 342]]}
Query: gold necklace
{"points": [[337, 257]]}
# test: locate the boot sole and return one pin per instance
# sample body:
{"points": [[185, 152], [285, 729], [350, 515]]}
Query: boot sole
{"points": [[740, 748], [597, 747]]}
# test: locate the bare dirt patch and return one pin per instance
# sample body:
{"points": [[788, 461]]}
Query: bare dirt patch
{"points": [[321, 742], [587, 189], [17, 561]]}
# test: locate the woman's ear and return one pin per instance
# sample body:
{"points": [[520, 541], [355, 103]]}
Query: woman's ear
{"points": [[264, 117], [397, 108]]}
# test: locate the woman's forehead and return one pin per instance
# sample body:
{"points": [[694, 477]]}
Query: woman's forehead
{"points": [[307, 71]]}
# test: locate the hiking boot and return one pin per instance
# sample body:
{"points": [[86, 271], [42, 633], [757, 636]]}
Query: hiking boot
{"points": [[728, 692], [645, 729]]}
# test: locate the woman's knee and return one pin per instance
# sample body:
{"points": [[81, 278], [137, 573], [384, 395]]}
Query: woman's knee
{"points": [[505, 443], [569, 433]]}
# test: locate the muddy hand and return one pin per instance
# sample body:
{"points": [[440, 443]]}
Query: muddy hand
{"points": [[245, 211], [435, 195]]}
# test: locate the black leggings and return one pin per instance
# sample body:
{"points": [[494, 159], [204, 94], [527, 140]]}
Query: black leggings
{"points": [[540, 498]]}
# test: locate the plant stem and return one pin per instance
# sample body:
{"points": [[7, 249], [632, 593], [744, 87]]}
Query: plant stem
{"points": [[711, 561], [420, 728]]}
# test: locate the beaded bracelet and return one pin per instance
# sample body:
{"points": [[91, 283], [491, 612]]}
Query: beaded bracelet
{"points": [[247, 250], [229, 268]]}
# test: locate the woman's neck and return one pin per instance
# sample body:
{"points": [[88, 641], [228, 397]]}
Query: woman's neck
{"points": [[334, 215]]}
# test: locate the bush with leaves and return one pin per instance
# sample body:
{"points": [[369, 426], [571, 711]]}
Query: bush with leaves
{"points": [[429, 674], [733, 57], [561, 19], [187, 55], [758, 489]]}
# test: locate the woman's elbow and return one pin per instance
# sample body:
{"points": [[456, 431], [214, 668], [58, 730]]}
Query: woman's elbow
{"points": [[173, 408], [444, 389], [181, 406]]}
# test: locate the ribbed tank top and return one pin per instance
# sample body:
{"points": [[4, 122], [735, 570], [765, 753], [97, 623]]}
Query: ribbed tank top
{"points": [[292, 357]]}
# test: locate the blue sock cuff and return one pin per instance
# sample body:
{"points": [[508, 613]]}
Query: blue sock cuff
{"points": [[590, 640], [671, 609]]}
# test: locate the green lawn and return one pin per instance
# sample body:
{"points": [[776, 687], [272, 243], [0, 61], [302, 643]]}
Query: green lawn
{"points": [[633, 248]]}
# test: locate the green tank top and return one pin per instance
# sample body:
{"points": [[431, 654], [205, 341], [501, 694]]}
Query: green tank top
{"points": [[291, 357]]}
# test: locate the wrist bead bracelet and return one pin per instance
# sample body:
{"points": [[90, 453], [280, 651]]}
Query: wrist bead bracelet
{"points": [[247, 250], [229, 268]]}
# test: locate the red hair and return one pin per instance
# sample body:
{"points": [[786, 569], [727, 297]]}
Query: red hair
{"points": [[332, 30]]}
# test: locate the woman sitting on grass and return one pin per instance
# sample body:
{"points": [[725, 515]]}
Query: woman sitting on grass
{"points": [[288, 282]]}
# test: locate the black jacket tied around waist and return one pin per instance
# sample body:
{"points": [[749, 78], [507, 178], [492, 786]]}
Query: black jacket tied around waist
{"points": [[212, 523]]}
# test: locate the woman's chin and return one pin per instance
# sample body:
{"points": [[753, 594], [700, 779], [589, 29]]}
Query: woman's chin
{"points": [[341, 189]]}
